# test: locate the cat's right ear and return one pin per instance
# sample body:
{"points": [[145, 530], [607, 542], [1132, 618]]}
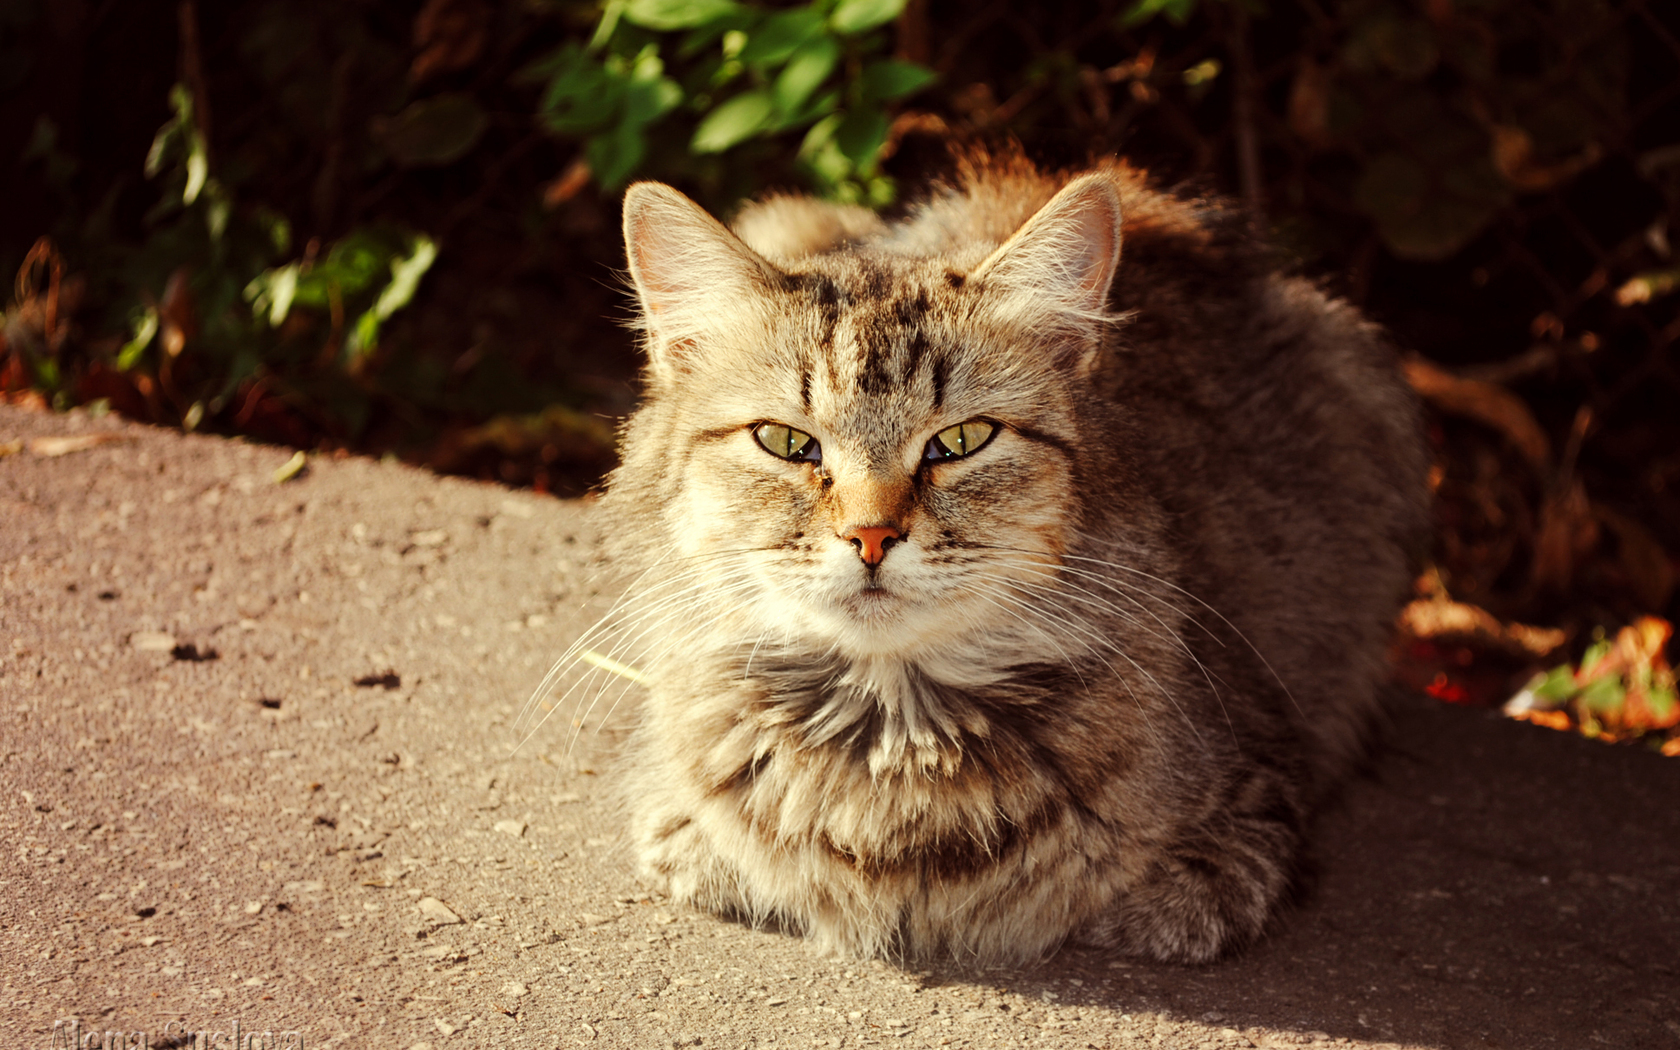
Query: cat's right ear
{"points": [[689, 271], [1055, 272]]}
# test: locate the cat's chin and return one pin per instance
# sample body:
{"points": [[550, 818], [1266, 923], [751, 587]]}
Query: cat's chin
{"points": [[877, 623], [870, 621], [873, 611]]}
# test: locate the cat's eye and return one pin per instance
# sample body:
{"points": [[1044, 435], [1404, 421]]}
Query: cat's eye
{"points": [[781, 440], [961, 440]]}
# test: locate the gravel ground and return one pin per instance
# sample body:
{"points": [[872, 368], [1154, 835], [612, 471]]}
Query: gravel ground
{"points": [[259, 766]]}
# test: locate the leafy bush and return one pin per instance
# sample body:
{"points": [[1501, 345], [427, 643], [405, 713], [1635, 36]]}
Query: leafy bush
{"points": [[666, 87]]}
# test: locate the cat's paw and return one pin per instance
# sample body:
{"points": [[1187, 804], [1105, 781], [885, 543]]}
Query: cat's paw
{"points": [[1193, 906], [676, 858]]}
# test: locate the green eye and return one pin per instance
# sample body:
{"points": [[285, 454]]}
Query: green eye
{"points": [[960, 440], [785, 442]]}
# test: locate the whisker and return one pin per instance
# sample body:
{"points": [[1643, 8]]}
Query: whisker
{"points": [[1083, 596], [1159, 688], [1238, 631]]}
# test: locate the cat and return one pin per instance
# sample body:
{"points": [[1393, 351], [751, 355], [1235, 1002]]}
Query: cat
{"points": [[996, 588]]}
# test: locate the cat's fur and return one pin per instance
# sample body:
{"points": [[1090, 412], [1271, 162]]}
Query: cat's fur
{"points": [[1113, 658]]}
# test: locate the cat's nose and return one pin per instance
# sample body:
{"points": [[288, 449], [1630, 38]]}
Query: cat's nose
{"points": [[873, 542]]}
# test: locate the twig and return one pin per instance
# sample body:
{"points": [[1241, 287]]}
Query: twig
{"points": [[192, 69], [1242, 114]]}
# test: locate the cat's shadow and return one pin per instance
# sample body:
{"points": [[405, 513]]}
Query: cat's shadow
{"points": [[1484, 884]]}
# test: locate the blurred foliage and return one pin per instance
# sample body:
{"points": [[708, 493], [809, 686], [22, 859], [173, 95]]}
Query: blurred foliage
{"points": [[1622, 688], [1454, 109], [670, 88]]}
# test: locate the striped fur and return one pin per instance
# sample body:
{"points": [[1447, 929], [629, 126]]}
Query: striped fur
{"points": [[1113, 659]]}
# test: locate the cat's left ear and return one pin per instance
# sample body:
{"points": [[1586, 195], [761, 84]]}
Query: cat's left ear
{"points": [[1066, 255], [690, 271]]}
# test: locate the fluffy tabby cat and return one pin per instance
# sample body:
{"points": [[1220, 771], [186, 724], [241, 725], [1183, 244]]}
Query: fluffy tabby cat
{"points": [[995, 592]]}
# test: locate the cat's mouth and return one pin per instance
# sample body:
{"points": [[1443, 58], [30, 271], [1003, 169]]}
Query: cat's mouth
{"points": [[872, 600]]}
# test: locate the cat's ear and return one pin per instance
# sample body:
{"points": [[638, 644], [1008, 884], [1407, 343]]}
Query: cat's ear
{"points": [[689, 271], [1065, 256]]}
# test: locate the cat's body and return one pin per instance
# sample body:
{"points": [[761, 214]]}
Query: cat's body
{"points": [[974, 619]]}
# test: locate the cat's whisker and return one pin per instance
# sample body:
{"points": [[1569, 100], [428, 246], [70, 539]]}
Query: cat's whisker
{"points": [[565, 660], [643, 620], [1077, 591], [1109, 645], [670, 611], [1107, 583], [1083, 596], [1223, 619]]}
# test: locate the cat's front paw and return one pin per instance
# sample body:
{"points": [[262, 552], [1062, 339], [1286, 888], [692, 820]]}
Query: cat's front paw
{"points": [[1195, 905], [676, 858]]}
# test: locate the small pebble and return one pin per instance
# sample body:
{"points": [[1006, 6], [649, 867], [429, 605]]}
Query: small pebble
{"points": [[437, 913]]}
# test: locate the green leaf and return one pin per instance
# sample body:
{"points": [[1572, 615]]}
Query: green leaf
{"points": [[434, 131], [1556, 685], [272, 292], [821, 134], [1428, 213], [650, 93], [364, 339], [780, 35], [145, 328], [860, 136], [198, 171], [406, 272], [217, 212], [733, 122], [609, 22], [175, 132], [806, 71], [1662, 702], [582, 96], [614, 155], [677, 14], [1177, 11], [1595, 652], [889, 78], [351, 266], [857, 16], [1604, 696], [279, 231], [46, 372]]}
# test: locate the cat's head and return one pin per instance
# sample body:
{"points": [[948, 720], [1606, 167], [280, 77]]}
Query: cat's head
{"points": [[869, 449]]}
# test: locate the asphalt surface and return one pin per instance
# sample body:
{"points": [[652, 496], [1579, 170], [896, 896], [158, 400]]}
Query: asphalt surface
{"points": [[259, 765]]}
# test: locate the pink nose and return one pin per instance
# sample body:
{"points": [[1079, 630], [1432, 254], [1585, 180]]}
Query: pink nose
{"points": [[873, 542]]}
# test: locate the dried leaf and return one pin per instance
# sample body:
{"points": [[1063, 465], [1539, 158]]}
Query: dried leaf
{"points": [[291, 468], [1621, 689], [1441, 617], [433, 132], [177, 313], [570, 183], [450, 36], [49, 447], [1513, 155], [1568, 532], [1486, 403], [1550, 719], [1647, 286]]}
